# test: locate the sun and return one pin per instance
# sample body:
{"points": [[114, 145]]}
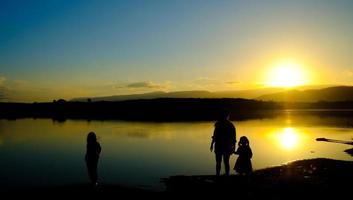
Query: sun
{"points": [[287, 74]]}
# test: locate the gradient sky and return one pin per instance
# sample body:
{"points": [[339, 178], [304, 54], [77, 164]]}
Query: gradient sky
{"points": [[52, 49]]}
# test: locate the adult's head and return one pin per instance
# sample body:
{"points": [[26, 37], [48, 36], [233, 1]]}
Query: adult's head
{"points": [[91, 137], [223, 115]]}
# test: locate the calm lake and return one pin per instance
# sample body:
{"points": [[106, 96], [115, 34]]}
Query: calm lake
{"points": [[36, 152]]}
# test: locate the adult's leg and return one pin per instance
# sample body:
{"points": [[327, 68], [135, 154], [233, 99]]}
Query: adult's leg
{"points": [[92, 170], [218, 163], [226, 162]]}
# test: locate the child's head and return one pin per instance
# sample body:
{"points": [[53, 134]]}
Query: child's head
{"points": [[244, 141], [91, 137]]}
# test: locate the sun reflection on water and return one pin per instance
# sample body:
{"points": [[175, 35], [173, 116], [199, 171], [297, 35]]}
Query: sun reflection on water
{"points": [[288, 138]]}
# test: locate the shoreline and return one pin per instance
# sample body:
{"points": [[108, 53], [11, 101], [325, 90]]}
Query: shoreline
{"points": [[313, 178]]}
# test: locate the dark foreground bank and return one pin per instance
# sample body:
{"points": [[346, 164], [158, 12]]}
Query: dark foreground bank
{"points": [[314, 179], [305, 179]]}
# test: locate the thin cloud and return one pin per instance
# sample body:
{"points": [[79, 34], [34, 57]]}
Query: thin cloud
{"points": [[205, 80], [232, 82], [349, 73], [2, 88], [2, 94], [345, 77], [2, 80], [144, 85]]}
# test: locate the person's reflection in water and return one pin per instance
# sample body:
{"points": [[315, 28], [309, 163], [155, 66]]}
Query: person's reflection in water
{"points": [[224, 139], [92, 156]]}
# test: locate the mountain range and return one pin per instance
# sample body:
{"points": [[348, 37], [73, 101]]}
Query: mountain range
{"points": [[337, 93]]}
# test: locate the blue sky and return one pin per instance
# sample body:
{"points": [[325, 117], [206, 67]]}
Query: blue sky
{"points": [[68, 48]]}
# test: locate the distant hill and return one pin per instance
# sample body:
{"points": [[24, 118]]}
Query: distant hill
{"points": [[339, 93], [151, 95], [303, 94], [247, 94]]}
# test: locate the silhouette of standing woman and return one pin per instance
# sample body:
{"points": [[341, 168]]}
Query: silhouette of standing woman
{"points": [[92, 157], [223, 140]]}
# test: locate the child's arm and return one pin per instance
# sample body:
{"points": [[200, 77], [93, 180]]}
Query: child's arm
{"points": [[238, 151]]}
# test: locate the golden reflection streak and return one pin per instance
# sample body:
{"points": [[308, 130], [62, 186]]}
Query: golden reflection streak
{"points": [[288, 138]]}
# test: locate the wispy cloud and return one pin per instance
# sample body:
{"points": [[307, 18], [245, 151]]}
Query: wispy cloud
{"points": [[346, 77], [29, 91], [2, 95], [202, 82], [145, 85], [207, 80], [2, 88], [2, 80], [213, 84], [232, 82], [349, 73]]}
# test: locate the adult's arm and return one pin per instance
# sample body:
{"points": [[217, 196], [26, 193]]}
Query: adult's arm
{"points": [[213, 140], [234, 136]]}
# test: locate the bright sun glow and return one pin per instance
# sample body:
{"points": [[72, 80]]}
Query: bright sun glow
{"points": [[288, 138], [287, 74]]}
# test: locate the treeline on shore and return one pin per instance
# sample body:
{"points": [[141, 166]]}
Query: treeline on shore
{"points": [[164, 109]]}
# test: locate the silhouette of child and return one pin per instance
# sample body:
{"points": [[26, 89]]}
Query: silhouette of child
{"points": [[93, 151], [243, 163]]}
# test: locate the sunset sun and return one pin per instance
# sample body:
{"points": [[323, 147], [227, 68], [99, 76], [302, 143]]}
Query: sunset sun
{"points": [[288, 74]]}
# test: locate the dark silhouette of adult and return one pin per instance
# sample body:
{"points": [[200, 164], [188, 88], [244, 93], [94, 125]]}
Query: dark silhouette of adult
{"points": [[223, 140], [93, 151]]}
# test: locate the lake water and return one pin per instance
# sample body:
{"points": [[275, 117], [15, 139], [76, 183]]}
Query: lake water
{"points": [[36, 152]]}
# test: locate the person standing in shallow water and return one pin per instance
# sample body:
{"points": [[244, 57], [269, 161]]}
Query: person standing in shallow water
{"points": [[223, 141], [93, 151]]}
